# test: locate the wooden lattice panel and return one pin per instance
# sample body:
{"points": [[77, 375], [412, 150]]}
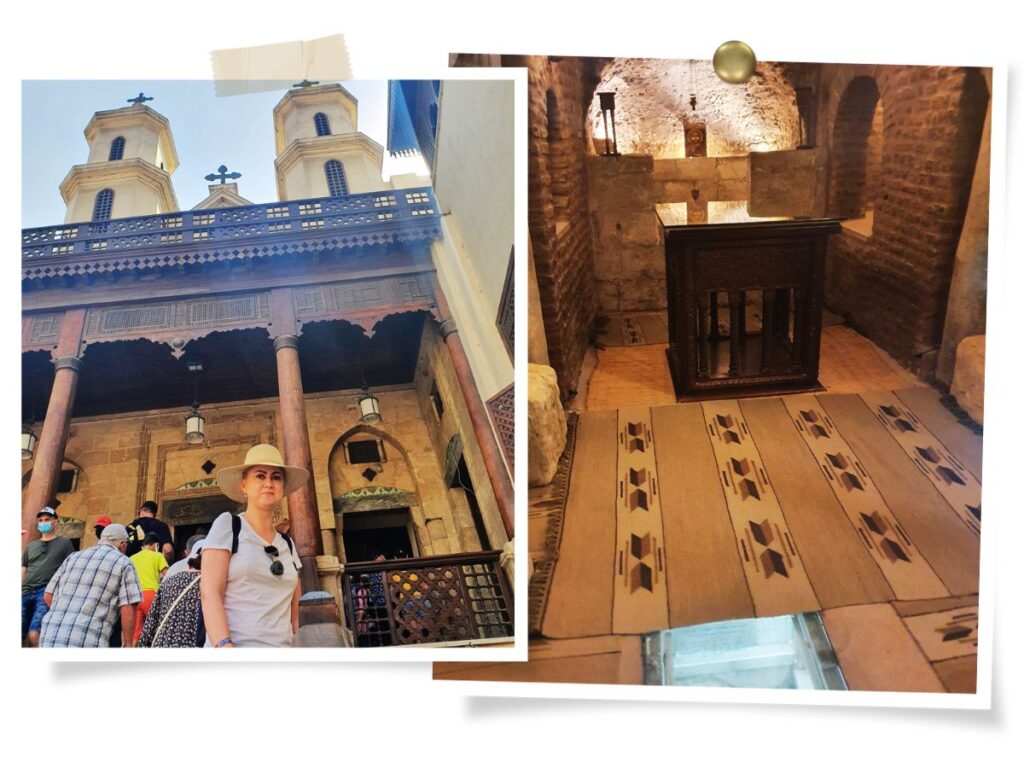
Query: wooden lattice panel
{"points": [[503, 412], [39, 332], [184, 317], [333, 300], [506, 321], [428, 600]]}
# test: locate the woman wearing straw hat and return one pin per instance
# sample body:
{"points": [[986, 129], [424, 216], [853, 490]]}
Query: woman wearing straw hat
{"points": [[250, 585]]}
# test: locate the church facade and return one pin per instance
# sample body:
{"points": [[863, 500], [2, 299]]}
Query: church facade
{"points": [[160, 343]]}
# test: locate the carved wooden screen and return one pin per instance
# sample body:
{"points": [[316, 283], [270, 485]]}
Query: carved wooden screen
{"points": [[428, 600]]}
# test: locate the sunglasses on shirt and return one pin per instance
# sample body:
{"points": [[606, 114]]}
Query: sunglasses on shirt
{"points": [[276, 566]]}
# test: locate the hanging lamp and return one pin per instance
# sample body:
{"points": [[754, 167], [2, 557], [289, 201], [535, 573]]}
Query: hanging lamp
{"points": [[28, 442], [195, 423], [369, 405], [195, 426]]}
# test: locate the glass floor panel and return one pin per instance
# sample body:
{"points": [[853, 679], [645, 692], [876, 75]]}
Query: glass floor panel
{"points": [[777, 652]]}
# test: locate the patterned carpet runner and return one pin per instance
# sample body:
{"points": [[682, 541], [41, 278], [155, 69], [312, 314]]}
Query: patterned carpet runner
{"points": [[635, 329], [696, 512]]}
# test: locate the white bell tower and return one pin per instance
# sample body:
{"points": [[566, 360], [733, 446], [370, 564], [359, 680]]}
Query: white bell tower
{"points": [[128, 173], [320, 152]]}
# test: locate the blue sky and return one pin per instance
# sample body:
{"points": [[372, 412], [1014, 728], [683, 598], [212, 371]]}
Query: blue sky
{"points": [[237, 131]]}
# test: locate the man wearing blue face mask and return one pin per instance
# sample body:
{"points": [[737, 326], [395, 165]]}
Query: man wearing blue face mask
{"points": [[39, 562]]}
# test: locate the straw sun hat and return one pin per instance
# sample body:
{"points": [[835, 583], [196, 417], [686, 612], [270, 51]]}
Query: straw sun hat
{"points": [[230, 478]]}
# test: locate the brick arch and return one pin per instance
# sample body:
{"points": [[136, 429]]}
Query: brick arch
{"points": [[856, 148], [894, 286]]}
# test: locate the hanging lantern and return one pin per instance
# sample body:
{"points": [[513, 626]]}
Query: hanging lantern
{"points": [[28, 442], [369, 407], [195, 426]]}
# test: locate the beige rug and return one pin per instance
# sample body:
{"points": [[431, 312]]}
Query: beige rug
{"points": [[697, 512]]}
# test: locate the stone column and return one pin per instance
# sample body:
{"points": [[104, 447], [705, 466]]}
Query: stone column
{"points": [[965, 307], [49, 455], [497, 474], [302, 507]]}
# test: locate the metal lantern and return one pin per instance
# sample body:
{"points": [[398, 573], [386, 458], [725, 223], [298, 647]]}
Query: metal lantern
{"points": [[195, 426], [28, 442], [369, 407]]}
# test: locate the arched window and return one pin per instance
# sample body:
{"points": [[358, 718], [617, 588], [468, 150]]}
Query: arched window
{"points": [[323, 128], [104, 204], [335, 172], [117, 148]]}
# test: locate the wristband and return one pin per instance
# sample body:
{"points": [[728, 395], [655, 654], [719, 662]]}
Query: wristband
{"points": [[222, 643]]}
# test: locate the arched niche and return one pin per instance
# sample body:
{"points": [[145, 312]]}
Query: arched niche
{"points": [[855, 158], [375, 496]]}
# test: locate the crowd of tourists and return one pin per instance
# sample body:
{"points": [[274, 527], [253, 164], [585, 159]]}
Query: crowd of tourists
{"points": [[237, 585]]}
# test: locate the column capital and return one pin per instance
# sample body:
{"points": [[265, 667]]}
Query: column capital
{"points": [[286, 341], [74, 363]]}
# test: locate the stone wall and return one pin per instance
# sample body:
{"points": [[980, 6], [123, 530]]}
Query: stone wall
{"points": [[629, 254], [893, 284], [128, 458], [559, 223], [435, 366]]}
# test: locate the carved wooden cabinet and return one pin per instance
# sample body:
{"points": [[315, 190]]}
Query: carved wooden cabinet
{"points": [[745, 305]]}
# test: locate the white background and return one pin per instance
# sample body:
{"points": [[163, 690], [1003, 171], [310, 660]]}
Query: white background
{"points": [[253, 714]]}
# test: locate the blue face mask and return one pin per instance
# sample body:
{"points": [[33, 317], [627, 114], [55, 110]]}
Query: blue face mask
{"points": [[44, 527]]}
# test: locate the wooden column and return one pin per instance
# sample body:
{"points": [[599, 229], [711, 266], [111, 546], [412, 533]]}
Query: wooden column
{"points": [[49, 455], [302, 506], [493, 462]]}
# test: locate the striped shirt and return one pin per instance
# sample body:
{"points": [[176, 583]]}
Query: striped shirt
{"points": [[88, 589]]}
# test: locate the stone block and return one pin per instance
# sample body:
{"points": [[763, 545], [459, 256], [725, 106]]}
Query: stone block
{"points": [[608, 295], [968, 385], [732, 189], [545, 424], [644, 294], [643, 228], [664, 170], [697, 168], [679, 191], [732, 167]]}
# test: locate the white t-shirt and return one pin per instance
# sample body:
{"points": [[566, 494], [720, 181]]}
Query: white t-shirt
{"points": [[258, 603]]}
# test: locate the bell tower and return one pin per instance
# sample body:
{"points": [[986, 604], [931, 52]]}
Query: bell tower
{"points": [[128, 173], [320, 151]]}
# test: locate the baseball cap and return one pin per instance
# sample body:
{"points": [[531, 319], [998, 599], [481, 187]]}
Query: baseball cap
{"points": [[46, 511], [114, 532], [103, 520]]}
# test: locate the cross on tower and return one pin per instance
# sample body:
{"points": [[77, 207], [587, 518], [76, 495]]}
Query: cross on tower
{"points": [[140, 99], [306, 84], [223, 175]]}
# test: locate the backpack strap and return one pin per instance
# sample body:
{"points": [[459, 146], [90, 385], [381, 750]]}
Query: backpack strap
{"points": [[236, 528]]}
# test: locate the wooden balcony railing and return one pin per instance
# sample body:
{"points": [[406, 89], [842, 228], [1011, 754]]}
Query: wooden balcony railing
{"points": [[450, 598], [143, 242]]}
